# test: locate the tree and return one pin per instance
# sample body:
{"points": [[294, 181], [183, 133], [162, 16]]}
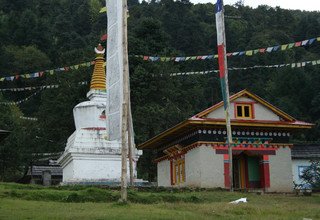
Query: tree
{"points": [[16, 150], [25, 59], [311, 175]]}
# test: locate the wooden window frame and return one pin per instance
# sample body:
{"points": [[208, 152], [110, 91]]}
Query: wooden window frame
{"points": [[243, 105], [178, 171]]}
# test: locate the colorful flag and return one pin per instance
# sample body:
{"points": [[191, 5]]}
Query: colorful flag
{"points": [[104, 37], [223, 73], [103, 10], [222, 59]]}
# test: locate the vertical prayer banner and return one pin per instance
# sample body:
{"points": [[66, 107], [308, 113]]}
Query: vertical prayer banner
{"points": [[114, 69], [223, 68], [222, 58]]}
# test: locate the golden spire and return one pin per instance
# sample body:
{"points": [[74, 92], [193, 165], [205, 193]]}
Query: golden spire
{"points": [[98, 81]]}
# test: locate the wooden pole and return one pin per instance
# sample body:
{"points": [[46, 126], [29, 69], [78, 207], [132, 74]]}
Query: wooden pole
{"points": [[130, 145], [229, 142], [124, 153], [125, 109]]}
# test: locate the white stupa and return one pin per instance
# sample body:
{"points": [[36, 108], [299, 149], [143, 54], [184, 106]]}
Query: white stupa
{"points": [[90, 156]]}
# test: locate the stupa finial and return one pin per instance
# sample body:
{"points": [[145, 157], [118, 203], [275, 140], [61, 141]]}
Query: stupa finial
{"points": [[98, 81]]}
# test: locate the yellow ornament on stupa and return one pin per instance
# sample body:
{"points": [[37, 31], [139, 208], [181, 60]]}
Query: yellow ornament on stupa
{"points": [[98, 81]]}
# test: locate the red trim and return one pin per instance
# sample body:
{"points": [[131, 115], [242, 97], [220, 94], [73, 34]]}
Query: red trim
{"points": [[221, 60], [246, 148], [254, 121], [103, 117], [95, 129], [265, 180], [226, 171], [264, 152]]}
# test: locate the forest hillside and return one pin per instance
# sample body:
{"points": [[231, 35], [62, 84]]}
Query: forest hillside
{"points": [[51, 42]]}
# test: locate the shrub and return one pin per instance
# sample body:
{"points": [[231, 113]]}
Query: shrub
{"points": [[311, 175]]}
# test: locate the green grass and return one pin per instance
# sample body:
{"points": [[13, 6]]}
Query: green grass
{"points": [[80, 202]]}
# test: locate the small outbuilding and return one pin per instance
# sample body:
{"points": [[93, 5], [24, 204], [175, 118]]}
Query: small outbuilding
{"points": [[302, 155], [194, 153]]}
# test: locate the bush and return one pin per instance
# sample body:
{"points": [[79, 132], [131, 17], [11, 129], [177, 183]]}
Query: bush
{"points": [[311, 175]]}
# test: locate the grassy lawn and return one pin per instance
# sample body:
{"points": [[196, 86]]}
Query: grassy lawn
{"points": [[36, 202]]}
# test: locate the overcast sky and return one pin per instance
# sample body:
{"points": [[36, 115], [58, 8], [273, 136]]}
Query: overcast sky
{"points": [[308, 5]]}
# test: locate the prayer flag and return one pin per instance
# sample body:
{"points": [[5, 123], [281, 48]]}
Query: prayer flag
{"points": [[298, 44], [311, 41], [304, 42], [275, 48], [249, 53], [103, 10], [284, 47], [262, 50], [222, 59], [269, 49], [290, 45], [104, 37]]}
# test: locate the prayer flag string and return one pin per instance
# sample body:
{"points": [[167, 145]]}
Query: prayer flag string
{"points": [[46, 72], [265, 50]]}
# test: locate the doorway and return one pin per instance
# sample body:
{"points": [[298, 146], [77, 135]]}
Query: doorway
{"points": [[246, 171]]}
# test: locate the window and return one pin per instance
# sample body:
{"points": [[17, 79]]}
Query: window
{"points": [[179, 175], [243, 111], [301, 169]]}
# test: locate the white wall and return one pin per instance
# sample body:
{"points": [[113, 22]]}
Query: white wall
{"points": [[163, 171], [87, 115], [193, 168], [281, 171], [97, 168], [295, 164], [204, 168], [68, 172], [212, 168]]}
